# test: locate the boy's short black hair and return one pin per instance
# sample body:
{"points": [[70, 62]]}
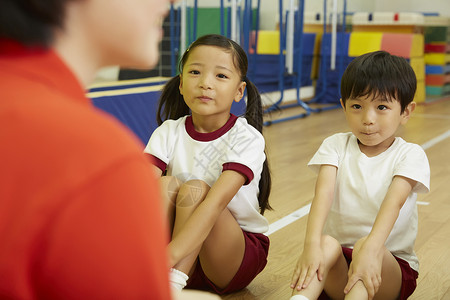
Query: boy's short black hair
{"points": [[379, 74], [31, 22]]}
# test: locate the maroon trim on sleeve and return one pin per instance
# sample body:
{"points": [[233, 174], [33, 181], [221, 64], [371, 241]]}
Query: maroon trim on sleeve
{"points": [[210, 136], [244, 170], [156, 161]]}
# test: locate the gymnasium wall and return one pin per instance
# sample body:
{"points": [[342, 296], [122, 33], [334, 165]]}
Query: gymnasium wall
{"points": [[268, 7]]}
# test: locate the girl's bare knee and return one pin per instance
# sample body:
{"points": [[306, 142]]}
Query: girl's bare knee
{"points": [[192, 193], [170, 183]]}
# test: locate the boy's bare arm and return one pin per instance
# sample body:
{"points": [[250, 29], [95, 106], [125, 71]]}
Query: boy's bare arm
{"points": [[396, 196], [309, 264], [320, 206], [367, 261]]}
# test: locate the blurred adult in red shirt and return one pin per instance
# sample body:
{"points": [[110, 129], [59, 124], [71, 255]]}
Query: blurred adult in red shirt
{"points": [[80, 214]]}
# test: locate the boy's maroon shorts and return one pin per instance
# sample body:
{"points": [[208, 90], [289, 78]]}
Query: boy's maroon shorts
{"points": [[409, 276], [253, 262]]}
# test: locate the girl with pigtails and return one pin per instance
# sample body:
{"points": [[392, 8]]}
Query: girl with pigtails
{"points": [[214, 173]]}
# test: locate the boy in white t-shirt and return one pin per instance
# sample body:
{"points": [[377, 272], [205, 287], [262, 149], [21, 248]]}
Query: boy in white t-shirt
{"points": [[363, 220]]}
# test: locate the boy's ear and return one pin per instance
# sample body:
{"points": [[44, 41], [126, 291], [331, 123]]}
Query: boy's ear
{"points": [[180, 87], [407, 112], [342, 103], [240, 91]]}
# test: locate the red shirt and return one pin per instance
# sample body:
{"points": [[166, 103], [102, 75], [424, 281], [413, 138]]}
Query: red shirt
{"points": [[80, 214]]}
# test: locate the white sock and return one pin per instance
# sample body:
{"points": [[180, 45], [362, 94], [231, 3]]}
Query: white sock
{"points": [[299, 297], [177, 279]]}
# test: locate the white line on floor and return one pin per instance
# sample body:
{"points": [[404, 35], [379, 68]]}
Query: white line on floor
{"points": [[436, 140], [292, 217], [301, 212]]}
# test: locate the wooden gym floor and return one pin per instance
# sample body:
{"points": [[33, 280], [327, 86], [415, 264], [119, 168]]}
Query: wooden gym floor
{"points": [[291, 144]]}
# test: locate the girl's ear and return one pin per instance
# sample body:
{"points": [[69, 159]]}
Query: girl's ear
{"points": [[240, 91], [180, 87], [406, 114], [342, 103]]}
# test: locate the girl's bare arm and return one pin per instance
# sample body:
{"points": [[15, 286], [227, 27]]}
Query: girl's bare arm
{"points": [[200, 223]]}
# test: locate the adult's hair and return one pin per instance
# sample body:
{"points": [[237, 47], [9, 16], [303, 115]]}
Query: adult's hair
{"points": [[31, 22], [379, 74], [172, 105]]}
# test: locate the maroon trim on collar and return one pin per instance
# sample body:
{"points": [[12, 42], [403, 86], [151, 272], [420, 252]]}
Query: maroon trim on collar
{"points": [[157, 162], [240, 168], [209, 136]]}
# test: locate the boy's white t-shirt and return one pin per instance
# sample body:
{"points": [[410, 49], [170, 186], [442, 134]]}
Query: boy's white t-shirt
{"points": [[188, 154], [361, 185]]}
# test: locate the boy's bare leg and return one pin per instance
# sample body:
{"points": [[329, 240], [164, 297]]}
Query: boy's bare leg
{"points": [[391, 279], [337, 277], [335, 274], [358, 292]]}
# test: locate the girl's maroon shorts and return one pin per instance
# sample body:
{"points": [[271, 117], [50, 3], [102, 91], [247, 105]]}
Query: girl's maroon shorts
{"points": [[254, 261]]}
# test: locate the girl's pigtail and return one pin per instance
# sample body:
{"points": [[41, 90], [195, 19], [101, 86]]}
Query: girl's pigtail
{"points": [[171, 103], [254, 116], [254, 112]]}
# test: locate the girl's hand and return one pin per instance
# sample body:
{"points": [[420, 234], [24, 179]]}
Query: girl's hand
{"points": [[365, 266], [309, 264]]}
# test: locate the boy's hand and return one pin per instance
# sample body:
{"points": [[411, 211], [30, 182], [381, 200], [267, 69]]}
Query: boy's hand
{"points": [[309, 264], [365, 266]]}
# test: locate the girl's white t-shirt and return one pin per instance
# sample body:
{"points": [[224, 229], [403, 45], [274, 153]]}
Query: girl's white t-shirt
{"points": [[188, 154]]}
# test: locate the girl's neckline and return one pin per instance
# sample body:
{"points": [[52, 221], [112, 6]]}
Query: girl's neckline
{"points": [[208, 136]]}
